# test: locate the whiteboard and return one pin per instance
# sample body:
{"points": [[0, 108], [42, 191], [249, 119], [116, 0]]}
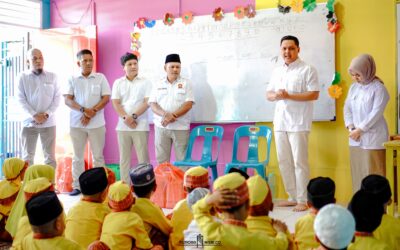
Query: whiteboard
{"points": [[230, 62]]}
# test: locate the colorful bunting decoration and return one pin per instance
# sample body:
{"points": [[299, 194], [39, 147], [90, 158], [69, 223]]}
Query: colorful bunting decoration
{"points": [[140, 23], [309, 5], [168, 19], [239, 12], [336, 78], [335, 91], [333, 26], [330, 4], [218, 14], [297, 6], [187, 17], [250, 11], [150, 23]]}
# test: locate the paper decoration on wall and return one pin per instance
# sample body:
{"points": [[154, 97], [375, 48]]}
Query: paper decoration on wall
{"points": [[250, 11], [335, 91], [136, 53], [135, 43], [336, 78], [309, 5], [329, 5], [283, 9], [150, 23], [239, 12], [333, 26], [140, 23], [168, 19], [218, 14], [187, 17], [297, 6], [135, 36]]}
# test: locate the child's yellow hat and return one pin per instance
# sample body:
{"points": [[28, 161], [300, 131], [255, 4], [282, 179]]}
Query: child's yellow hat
{"points": [[12, 168], [233, 181], [120, 196], [196, 177], [36, 186], [258, 190]]}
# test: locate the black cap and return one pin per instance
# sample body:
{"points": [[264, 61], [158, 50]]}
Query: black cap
{"points": [[321, 191], [378, 186], [366, 211], [241, 172], [43, 208], [172, 58], [93, 181], [126, 57], [142, 175]]}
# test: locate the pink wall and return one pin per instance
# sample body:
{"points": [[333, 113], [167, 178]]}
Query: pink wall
{"points": [[114, 21]]}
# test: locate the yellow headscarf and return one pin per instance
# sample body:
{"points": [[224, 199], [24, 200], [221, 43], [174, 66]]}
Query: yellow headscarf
{"points": [[12, 168], [18, 210]]}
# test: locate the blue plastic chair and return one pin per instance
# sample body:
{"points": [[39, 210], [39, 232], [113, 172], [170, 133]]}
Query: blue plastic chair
{"points": [[254, 133], [208, 132]]}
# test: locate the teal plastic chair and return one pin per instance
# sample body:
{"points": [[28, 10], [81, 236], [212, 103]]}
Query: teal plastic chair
{"points": [[208, 132], [254, 133]]}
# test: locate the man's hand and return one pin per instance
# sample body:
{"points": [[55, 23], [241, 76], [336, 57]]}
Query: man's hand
{"points": [[90, 112], [279, 226], [85, 120], [167, 119], [40, 118], [282, 94], [223, 198], [129, 121], [355, 134]]}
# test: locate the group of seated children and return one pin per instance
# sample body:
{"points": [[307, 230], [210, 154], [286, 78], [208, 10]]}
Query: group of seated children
{"points": [[116, 215]]}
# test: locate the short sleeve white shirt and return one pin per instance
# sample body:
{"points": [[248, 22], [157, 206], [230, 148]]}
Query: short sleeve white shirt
{"points": [[38, 94], [170, 97], [297, 77], [87, 92], [131, 95]]}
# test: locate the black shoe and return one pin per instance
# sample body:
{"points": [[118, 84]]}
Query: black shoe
{"points": [[75, 192]]}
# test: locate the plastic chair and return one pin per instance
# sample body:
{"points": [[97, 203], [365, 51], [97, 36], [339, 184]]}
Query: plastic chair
{"points": [[208, 132], [254, 133]]}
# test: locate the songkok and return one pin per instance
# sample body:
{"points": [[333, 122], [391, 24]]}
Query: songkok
{"points": [[172, 58], [258, 190], [8, 192], [234, 181], [36, 187], [378, 186], [120, 196], [110, 176], [12, 168], [321, 191], [334, 226], [93, 181], [241, 172], [196, 177], [98, 245], [196, 195], [43, 208], [142, 175], [126, 57], [366, 211]]}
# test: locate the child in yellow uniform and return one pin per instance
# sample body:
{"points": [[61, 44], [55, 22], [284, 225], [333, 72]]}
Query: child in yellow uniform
{"points": [[231, 198], [195, 177], [260, 200], [122, 227], [320, 192], [367, 212], [389, 229], [85, 220], [334, 227], [157, 226], [13, 170], [31, 189], [110, 180], [18, 210], [47, 220]]}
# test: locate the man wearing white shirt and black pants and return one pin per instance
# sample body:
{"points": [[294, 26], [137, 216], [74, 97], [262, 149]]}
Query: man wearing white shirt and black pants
{"points": [[171, 100], [39, 96], [130, 94], [294, 86], [86, 94]]}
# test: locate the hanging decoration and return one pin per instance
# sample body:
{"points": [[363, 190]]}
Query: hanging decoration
{"points": [[141, 23], [309, 5], [335, 91], [250, 11], [333, 23], [150, 23], [218, 14], [283, 9], [168, 19], [135, 43], [336, 78], [187, 17], [297, 6], [329, 5], [239, 12]]}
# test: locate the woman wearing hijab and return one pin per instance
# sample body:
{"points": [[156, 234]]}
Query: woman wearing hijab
{"points": [[18, 210], [363, 116]]}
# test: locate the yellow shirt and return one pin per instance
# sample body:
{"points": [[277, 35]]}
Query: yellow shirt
{"points": [[389, 231], [84, 222], [120, 228], [304, 232], [230, 236], [56, 243], [368, 243], [24, 228], [181, 218], [152, 215]]}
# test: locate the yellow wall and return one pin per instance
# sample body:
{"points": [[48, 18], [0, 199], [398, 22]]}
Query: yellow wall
{"points": [[368, 26]]}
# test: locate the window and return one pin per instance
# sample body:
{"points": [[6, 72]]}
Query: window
{"points": [[26, 13]]}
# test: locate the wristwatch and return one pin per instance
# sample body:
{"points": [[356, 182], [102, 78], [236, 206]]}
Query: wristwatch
{"points": [[134, 116], [82, 109], [46, 115]]}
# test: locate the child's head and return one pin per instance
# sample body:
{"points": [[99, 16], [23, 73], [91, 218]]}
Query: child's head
{"points": [[45, 214], [367, 211], [196, 177], [334, 227], [14, 168], [94, 183], [143, 180], [241, 172], [37, 186], [259, 196], [235, 181], [320, 192], [120, 197], [379, 187], [196, 195]]}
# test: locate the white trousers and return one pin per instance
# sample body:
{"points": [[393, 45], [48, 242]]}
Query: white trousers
{"points": [[164, 138], [292, 150]]}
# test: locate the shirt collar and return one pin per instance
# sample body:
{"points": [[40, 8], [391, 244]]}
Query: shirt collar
{"points": [[134, 79], [293, 64], [92, 75], [177, 80]]}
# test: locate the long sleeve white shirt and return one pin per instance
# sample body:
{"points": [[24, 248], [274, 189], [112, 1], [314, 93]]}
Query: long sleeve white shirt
{"points": [[364, 109]]}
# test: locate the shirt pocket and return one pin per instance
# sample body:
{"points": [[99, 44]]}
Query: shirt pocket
{"points": [[181, 94], [95, 90], [295, 84], [48, 88]]}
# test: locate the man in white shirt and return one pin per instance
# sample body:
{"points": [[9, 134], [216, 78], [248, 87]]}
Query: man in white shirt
{"points": [[294, 86], [171, 100], [130, 94], [38, 94], [86, 94]]}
